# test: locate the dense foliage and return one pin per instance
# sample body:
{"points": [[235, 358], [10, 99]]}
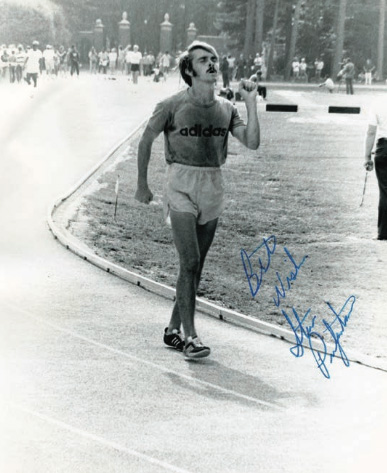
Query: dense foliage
{"points": [[315, 34]]}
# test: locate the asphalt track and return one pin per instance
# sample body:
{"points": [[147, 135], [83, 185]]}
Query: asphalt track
{"points": [[87, 385]]}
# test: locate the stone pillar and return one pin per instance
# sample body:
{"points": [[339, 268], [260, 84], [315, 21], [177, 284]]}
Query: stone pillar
{"points": [[99, 40], [124, 31], [166, 35], [191, 33]]}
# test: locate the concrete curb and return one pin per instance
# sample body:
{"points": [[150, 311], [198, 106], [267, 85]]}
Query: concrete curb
{"points": [[204, 306]]}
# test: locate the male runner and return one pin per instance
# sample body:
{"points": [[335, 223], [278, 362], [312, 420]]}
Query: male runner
{"points": [[196, 123]]}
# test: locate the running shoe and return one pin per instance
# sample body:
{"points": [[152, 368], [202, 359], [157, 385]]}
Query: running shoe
{"points": [[174, 339], [194, 348]]}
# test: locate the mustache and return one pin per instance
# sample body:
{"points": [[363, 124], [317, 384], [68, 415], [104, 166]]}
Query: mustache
{"points": [[211, 68]]}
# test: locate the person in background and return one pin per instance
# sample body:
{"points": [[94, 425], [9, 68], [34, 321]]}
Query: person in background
{"points": [[12, 66], [165, 64], [135, 59], [49, 61], [319, 66], [103, 61], [196, 124], [262, 90], [93, 60], [295, 68], [303, 68], [348, 73], [224, 69], [113, 57], [368, 70], [328, 84], [128, 55], [20, 61], [74, 60], [4, 56], [377, 133], [33, 63]]}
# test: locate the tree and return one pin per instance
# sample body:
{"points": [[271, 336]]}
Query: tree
{"points": [[382, 14], [293, 38], [23, 24], [339, 38], [250, 22], [272, 41], [259, 22]]}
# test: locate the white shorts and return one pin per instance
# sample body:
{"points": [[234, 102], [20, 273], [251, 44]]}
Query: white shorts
{"points": [[194, 189]]}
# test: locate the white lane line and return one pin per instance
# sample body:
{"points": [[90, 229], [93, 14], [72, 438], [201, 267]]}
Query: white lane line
{"points": [[102, 441], [140, 360]]}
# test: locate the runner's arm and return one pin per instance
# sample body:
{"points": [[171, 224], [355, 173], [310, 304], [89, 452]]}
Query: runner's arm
{"points": [[143, 193], [369, 143], [249, 135]]}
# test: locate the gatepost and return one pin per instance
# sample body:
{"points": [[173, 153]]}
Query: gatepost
{"points": [[124, 31], [191, 33], [166, 35], [99, 40]]}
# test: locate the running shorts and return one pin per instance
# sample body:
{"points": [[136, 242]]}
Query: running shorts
{"points": [[194, 189]]}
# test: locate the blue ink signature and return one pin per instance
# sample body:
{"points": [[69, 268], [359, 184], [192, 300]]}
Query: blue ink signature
{"points": [[281, 291], [301, 330], [255, 278]]}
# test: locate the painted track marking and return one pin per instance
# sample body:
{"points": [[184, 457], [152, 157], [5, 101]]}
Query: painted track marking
{"points": [[140, 360], [102, 441]]}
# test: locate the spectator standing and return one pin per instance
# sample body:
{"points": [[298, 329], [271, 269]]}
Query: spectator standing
{"points": [[348, 73], [20, 61], [74, 60], [368, 70], [103, 62], [4, 56], [377, 131], [62, 60], [135, 59], [231, 67], [93, 60], [303, 68], [224, 69], [48, 55], [12, 66], [33, 61], [165, 64], [113, 57], [151, 60], [241, 68], [128, 56], [318, 66], [295, 68], [258, 66], [121, 59]]}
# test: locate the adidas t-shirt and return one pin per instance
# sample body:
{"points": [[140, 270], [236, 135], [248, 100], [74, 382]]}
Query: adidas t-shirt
{"points": [[195, 135]]}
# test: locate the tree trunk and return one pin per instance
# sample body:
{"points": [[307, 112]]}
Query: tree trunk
{"points": [[260, 10], [293, 39], [272, 41], [382, 13], [250, 20], [339, 38]]}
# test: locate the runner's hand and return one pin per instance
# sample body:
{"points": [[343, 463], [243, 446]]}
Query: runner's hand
{"points": [[144, 195], [248, 90]]}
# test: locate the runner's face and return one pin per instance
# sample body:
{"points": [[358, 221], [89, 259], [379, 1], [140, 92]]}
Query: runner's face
{"points": [[205, 65]]}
